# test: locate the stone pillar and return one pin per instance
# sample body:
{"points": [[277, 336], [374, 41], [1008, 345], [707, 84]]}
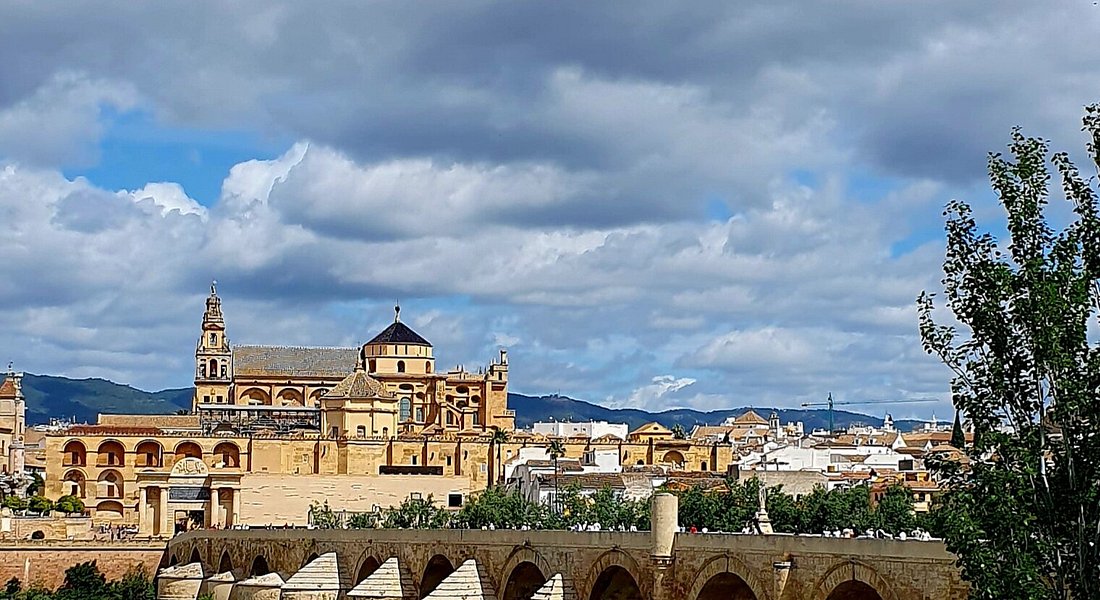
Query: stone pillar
{"points": [[162, 514], [235, 515], [663, 525], [144, 525]]}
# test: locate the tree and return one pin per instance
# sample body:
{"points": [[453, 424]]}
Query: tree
{"points": [[322, 516], [69, 504], [958, 438], [499, 438], [894, 512], [556, 450], [40, 505], [14, 503], [1023, 511], [83, 581], [678, 432]]}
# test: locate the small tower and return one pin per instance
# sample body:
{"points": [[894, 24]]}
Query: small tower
{"points": [[213, 358], [13, 425], [888, 423], [773, 424]]}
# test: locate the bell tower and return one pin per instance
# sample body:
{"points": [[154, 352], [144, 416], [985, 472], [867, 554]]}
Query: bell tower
{"points": [[213, 358]]}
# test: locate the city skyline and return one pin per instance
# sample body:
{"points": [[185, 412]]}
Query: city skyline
{"points": [[727, 207]]}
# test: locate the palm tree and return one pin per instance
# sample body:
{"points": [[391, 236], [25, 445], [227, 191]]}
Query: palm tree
{"points": [[557, 449], [500, 437]]}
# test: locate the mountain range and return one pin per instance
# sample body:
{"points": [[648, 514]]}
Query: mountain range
{"points": [[82, 400]]}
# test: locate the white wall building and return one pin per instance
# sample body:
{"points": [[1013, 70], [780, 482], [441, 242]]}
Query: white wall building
{"points": [[591, 429]]}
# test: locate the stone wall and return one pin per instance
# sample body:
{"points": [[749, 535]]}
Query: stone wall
{"points": [[44, 563], [273, 499], [54, 527]]}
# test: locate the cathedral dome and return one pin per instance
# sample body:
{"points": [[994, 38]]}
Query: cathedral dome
{"points": [[399, 333], [358, 385]]}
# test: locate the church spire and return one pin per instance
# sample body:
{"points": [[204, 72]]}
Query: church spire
{"points": [[213, 314]]}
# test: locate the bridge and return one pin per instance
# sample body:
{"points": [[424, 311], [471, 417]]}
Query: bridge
{"points": [[297, 564]]}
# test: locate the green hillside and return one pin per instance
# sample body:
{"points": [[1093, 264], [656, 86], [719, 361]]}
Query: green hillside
{"points": [[83, 399]]}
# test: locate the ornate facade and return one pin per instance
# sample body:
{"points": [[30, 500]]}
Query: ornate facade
{"points": [[13, 424], [275, 429]]}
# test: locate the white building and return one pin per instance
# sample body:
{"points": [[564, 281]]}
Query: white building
{"points": [[591, 429]]}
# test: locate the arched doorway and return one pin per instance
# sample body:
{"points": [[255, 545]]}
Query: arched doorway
{"points": [[523, 582], [615, 583], [726, 586], [259, 567], [673, 457], [439, 567], [226, 563], [369, 566], [854, 590]]}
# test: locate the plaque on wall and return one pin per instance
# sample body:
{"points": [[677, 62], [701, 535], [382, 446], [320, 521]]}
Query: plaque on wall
{"points": [[188, 494]]}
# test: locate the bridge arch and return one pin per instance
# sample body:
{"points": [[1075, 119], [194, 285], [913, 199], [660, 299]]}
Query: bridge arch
{"points": [[616, 574], [853, 580], [308, 559], [524, 573], [726, 577], [226, 563], [259, 566], [437, 569], [195, 556], [368, 565]]}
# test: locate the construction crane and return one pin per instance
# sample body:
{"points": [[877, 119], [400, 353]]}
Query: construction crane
{"points": [[830, 403]]}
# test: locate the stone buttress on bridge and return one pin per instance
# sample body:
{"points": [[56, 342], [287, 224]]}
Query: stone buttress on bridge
{"points": [[299, 564]]}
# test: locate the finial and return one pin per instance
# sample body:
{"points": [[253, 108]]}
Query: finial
{"points": [[397, 312], [214, 287], [11, 367]]}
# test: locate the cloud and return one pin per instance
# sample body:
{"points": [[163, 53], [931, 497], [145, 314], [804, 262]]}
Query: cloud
{"points": [[654, 396]]}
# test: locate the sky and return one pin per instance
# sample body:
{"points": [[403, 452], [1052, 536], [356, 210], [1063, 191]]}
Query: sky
{"points": [[650, 205]]}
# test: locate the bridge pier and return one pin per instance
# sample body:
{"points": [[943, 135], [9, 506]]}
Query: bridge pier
{"points": [[181, 582], [219, 585]]}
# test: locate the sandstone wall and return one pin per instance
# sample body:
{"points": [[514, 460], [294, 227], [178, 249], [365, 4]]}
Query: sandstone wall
{"points": [[44, 563], [273, 499]]}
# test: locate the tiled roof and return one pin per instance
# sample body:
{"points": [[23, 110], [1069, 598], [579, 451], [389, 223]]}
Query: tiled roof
{"points": [[399, 333], [588, 481], [293, 361], [358, 385], [110, 430], [652, 427], [750, 418], [7, 389]]}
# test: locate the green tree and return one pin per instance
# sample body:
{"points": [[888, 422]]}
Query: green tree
{"points": [[14, 502], [894, 512], [83, 581], [678, 432], [416, 513], [69, 505], [556, 451], [958, 438], [322, 516], [134, 585], [1023, 515], [498, 439], [40, 504], [12, 587]]}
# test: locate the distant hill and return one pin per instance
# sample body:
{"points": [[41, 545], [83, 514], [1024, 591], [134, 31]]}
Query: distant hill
{"points": [[544, 408], [84, 399]]}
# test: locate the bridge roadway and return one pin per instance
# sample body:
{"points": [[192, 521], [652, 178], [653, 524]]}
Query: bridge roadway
{"points": [[302, 564]]}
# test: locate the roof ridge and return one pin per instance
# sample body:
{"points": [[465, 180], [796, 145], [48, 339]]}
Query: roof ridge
{"points": [[294, 347]]}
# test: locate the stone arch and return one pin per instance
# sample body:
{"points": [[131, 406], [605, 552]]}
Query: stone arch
{"points": [[148, 454], [312, 557], [838, 580], [290, 397], [613, 569], [369, 565], [673, 457], [226, 563], [228, 454], [519, 573], [195, 556], [76, 454], [259, 566], [110, 453], [256, 396], [188, 449], [110, 485], [435, 571], [109, 509], [724, 573], [75, 483]]}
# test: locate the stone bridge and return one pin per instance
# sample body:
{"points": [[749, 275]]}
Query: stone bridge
{"points": [[302, 564]]}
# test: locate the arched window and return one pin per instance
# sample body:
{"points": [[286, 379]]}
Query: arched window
{"points": [[414, 459], [223, 370], [372, 368], [427, 366], [386, 432], [213, 339], [75, 454], [477, 418], [419, 414], [400, 366], [403, 410], [202, 370], [228, 454], [213, 368], [703, 466], [361, 431]]}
